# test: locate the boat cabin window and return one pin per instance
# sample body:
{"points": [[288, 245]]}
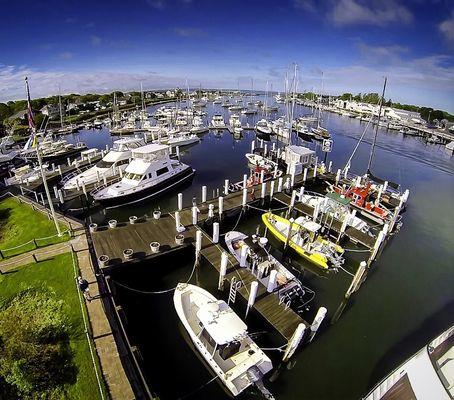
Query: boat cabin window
{"points": [[122, 162], [162, 171], [104, 164], [133, 177]]}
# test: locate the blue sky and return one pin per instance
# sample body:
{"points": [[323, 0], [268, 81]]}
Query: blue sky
{"points": [[101, 46]]}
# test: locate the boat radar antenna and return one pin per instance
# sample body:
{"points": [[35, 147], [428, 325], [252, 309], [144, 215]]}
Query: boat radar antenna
{"points": [[372, 150]]}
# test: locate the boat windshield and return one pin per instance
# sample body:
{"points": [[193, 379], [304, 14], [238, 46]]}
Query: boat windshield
{"points": [[133, 176], [104, 164]]}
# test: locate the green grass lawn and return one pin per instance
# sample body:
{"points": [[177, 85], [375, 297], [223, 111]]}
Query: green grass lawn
{"points": [[57, 275], [19, 223]]}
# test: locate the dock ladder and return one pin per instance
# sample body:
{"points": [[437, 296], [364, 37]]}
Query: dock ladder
{"points": [[234, 286]]}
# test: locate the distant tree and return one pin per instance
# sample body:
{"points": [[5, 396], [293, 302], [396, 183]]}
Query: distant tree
{"points": [[35, 357], [346, 96], [104, 99], [5, 111]]}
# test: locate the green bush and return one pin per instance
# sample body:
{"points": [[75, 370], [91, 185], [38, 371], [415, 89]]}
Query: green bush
{"points": [[36, 360]]}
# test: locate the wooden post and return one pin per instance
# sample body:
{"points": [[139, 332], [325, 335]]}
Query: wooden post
{"points": [[378, 242], [198, 244], [215, 232], [262, 194], [244, 197], [356, 281], [294, 342], [330, 166], [305, 175], [272, 190], [210, 210], [56, 192], [220, 206], [180, 201], [223, 270], [262, 176], [226, 187], [177, 221], [272, 281], [345, 221], [338, 175], [60, 196], [279, 184], [252, 146], [252, 296], [194, 215], [321, 313], [204, 194]]}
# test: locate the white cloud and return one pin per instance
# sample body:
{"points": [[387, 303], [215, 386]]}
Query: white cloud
{"points": [[378, 12], [95, 40], [66, 55], [447, 28], [157, 4], [305, 5]]}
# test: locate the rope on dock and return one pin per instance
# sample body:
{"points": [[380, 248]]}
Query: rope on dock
{"points": [[159, 291], [272, 209], [357, 250], [347, 272]]}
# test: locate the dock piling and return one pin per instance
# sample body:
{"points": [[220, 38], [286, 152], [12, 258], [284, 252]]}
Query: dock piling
{"points": [[223, 270], [226, 187], [180, 201], [262, 176], [272, 281], [294, 342], [252, 296], [321, 313], [204, 194], [60, 196], [210, 210], [194, 215], [252, 146], [304, 174], [338, 175], [330, 166], [279, 184], [56, 192], [198, 244], [220, 206], [289, 234], [263, 193], [272, 190], [244, 197], [356, 281], [215, 232]]}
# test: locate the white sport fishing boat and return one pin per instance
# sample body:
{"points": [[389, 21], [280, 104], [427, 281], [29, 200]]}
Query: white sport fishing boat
{"points": [[150, 173], [115, 160], [182, 139], [263, 126], [289, 289], [221, 337], [198, 126], [260, 161]]}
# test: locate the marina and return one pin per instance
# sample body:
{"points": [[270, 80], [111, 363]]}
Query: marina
{"points": [[196, 209], [116, 232]]}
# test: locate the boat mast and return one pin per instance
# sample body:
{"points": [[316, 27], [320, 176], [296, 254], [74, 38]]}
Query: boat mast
{"points": [[372, 150], [59, 102]]}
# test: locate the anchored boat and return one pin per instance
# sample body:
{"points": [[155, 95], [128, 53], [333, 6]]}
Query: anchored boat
{"points": [[305, 240], [262, 264], [260, 161], [221, 337], [150, 173]]}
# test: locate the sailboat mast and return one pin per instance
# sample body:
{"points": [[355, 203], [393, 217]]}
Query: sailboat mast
{"points": [[372, 150], [59, 103]]}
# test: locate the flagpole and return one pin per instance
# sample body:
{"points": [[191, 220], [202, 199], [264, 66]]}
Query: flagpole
{"points": [[40, 162]]}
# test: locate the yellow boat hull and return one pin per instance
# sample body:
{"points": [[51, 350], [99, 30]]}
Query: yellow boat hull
{"points": [[320, 260]]}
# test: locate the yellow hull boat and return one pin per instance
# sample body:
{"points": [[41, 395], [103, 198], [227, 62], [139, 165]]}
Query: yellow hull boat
{"points": [[305, 240]]}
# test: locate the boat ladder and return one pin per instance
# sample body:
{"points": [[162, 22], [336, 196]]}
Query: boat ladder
{"points": [[234, 286]]}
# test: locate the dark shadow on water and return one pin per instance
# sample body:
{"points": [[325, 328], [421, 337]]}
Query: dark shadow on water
{"points": [[412, 343]]}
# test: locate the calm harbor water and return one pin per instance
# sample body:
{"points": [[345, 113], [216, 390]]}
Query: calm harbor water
{"points": [[406, 300]]}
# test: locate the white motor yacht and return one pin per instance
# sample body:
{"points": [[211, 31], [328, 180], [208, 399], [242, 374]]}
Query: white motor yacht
{"points": [[221, 337], [235, 121], [115, 160], [182, 139], [150, 173], [263, 126], [218, 121], [197, 125], [260, 161]]}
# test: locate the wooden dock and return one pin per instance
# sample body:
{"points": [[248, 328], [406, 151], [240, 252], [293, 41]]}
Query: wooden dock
{"points": [[138, 236]]}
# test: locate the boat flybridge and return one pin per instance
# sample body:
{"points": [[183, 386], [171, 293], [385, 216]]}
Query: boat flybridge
{"points": [[221, 337], [218, 121], [150, 173], [115, 160]]}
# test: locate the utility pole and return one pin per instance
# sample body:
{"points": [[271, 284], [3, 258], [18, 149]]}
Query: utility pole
{"points": [[31, 124]]}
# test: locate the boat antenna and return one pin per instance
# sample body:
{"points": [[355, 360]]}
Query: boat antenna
{"points": [[372, 150]]}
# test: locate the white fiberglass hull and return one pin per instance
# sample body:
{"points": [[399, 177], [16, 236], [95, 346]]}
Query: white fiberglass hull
{"points": [[189, 298]]}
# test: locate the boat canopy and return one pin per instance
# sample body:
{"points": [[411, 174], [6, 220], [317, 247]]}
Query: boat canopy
{"points": [[338, 198], [151, 152], [221, 323], [311, 226]]}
